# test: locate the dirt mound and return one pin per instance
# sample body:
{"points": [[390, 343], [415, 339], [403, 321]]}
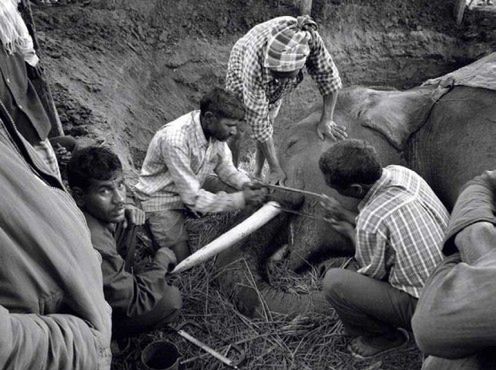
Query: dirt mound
{"points": [[121, 68]]}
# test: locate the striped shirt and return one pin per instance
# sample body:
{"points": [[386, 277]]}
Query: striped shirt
{"points": [[255, 85], [178, 160], [400, 230]]}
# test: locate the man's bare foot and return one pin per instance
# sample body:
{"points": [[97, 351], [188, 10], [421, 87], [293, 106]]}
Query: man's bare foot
{"points": [[365, 347]]}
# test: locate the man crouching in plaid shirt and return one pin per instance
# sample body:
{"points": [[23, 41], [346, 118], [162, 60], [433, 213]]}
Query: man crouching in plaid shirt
{"points": [[398, 235], [266, 65], [177, 173]]}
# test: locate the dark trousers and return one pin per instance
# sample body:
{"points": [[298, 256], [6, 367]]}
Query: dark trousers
{"points": [[366, 306], [165, 311]]}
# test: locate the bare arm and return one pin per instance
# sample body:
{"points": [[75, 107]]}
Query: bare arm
{"points": [[276, 174], [326, 126]]}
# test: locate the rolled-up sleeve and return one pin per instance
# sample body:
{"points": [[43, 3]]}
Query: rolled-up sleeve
{"points": [[321, 67], [57, 341]]}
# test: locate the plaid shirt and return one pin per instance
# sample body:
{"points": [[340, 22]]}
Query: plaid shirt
{"points": [[400, 230], [178, 160], [254, 84]]}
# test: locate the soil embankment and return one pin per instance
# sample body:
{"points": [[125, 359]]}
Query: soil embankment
{"points": [[120, 69]]}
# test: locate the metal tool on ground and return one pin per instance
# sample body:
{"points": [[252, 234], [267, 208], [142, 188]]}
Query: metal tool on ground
{"points": [[219, 356]]}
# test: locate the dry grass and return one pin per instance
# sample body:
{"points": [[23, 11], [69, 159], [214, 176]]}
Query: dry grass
{"points": [[273, 342]]}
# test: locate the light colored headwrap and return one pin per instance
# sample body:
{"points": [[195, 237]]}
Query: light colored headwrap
{"points": [[288, 49], [14, 34]]}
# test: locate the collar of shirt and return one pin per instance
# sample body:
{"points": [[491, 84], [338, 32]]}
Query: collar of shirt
{"points": [[379, 184], [200, 135]]}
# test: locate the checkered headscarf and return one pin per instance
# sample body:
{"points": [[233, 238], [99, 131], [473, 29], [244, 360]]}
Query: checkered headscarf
{"points": [[14, 34], [287, 50]]}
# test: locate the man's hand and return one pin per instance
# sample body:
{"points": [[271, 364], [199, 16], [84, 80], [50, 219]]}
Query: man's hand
{"points": [[254, 197], [62, 154], [166, 258], [332, 130], [276, 176], [336, 210], [134, 215], [253, 185], [343, 227]]}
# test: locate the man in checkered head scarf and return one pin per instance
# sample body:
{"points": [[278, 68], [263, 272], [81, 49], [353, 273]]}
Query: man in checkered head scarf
{"points": [[267, 64], [288, 49]]}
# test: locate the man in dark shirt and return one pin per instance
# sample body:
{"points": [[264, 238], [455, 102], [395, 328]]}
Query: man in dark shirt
{"points": [[455, 321], [140, 301], [19, 64]]}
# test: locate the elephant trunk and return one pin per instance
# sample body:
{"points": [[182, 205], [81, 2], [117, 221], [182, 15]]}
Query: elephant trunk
{"points": [[252, 295]]}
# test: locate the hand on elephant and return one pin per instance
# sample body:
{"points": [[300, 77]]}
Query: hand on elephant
{"points": [[331, 129], [254, 197], [276, 176]]}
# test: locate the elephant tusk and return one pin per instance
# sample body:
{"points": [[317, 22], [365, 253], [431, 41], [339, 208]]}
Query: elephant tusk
{"points": [[266, 213]]}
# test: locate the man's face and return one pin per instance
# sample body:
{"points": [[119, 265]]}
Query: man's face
{"points": [[223, 128], [104, 199]]}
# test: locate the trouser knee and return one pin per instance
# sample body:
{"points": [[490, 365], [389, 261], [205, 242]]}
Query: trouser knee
{"points": [[165, 311], [468, 363], [333, 284]]}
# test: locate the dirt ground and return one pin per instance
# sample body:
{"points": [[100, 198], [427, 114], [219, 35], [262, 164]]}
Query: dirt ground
{"points": [[120, 69]]}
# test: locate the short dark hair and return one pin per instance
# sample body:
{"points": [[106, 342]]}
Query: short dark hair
{"points": [[92, 162], [223, 104], [350, 162]]}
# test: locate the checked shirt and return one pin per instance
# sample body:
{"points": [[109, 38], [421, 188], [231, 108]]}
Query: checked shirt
{"points": [[177, 163], [254, 84], [400, 230]]}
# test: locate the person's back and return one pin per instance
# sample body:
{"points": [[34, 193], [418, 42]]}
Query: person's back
{"points": [[402, 207], [53, 314]]}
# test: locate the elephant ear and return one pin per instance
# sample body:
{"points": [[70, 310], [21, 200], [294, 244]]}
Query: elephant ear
{"points": [[397, 114]]}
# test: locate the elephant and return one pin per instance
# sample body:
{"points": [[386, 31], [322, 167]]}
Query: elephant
{"points": [[443, 132]]}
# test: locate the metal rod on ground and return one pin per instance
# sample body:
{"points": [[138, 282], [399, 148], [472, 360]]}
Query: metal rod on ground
{"points": [[267, 212], [206, 348]]}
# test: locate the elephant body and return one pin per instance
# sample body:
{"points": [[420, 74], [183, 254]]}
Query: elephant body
{"points": [[444, 134]]}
